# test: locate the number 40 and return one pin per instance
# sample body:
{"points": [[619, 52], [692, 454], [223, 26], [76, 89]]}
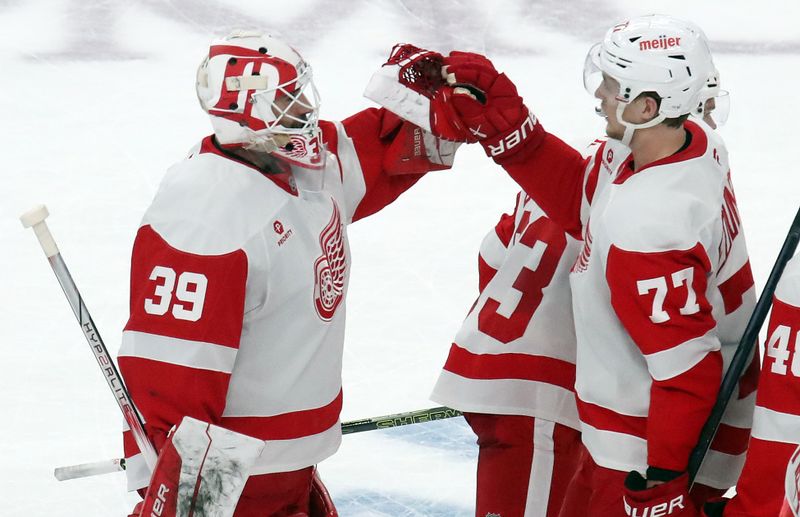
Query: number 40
{"points": [[162, 299], [778, 349]]}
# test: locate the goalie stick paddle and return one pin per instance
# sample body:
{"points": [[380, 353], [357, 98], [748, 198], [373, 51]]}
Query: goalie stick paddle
{"points": [[743, 351], [353, 426], [35, 218]]}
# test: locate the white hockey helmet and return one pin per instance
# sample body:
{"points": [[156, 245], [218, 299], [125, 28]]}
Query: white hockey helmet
{"points": [[714, 106], [654, 53], [259, 93]]}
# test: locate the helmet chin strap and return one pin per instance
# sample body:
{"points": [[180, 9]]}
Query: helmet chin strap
{"points": [[630, 127]]}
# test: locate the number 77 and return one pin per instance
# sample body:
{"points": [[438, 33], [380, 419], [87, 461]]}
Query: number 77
{"points": [[660, 286]]}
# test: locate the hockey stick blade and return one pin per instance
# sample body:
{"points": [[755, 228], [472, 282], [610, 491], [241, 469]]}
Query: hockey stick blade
{"points": [[353, 426], [740, 359]]}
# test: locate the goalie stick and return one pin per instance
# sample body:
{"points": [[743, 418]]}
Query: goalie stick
{"points": [[35, 218], [353, 426], [743, 351]]}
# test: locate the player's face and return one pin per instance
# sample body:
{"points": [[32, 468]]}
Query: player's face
{"points": [[607, 93], [297, 112]]}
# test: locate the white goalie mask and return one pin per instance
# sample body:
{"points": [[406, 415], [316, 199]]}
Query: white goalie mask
{"points": [[654, 53], [259, 94]]}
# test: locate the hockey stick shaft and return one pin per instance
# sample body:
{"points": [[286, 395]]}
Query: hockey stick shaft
{"points": [[35, 219], [89, 469], [743, 352], [400, 419], [353, 426]]}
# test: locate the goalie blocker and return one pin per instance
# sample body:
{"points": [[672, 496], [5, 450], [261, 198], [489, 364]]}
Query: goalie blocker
{"points": [[202, 470]]}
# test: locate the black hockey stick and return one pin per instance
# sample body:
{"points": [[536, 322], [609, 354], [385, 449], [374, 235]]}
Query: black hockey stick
{"points": [[35, 219], [353, 426], [743, 351], [387, 421]]}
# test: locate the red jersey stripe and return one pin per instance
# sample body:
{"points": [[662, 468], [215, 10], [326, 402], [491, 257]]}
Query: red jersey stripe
{"points": [[511, 366], [607, 420], [287, 426]]}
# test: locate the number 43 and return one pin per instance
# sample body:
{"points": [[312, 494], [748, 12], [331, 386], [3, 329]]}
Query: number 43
{"points": [[193, 299]]}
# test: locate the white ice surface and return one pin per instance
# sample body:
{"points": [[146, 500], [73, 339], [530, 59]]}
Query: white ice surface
{"points": [[97, 100]]}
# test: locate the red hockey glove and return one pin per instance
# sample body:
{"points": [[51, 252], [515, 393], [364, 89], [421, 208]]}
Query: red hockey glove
{"points": [[670, 499], [411, 85], [715, 508], [488, 104]]}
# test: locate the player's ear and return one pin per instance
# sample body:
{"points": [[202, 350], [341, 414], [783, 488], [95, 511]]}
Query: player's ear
{"points": [[649, 107]]}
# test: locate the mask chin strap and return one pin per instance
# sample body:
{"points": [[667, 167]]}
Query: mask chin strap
{"points": [[630, 128]]}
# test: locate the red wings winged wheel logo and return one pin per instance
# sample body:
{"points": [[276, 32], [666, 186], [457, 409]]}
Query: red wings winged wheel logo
{"points": [[330, 268]]}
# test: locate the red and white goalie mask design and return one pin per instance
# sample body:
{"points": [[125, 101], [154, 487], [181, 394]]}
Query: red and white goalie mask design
{"points": [[330, 268], [259, 94]]}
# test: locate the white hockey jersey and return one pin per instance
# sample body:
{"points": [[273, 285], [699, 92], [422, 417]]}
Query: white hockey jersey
{"points": [[238, 281], [776, 422], [515, 351], [661, 291]]}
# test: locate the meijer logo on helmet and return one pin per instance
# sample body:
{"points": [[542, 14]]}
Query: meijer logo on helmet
{"points": [[661, 42]]}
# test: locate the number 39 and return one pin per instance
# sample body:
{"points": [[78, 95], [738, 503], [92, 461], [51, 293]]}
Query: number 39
{"points": [[192, 300]]}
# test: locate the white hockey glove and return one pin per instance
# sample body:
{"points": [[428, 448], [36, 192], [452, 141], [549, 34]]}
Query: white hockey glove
{"points": [[201, 470], [414, 150], [411, 85]]}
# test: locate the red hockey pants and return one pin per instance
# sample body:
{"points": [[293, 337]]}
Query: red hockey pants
{"points": [[524, 464]]}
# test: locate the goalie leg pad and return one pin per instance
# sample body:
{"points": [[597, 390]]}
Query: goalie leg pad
{"points": [[321, 501], [201, 470]]}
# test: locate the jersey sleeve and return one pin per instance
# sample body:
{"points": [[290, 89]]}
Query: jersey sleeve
{"points": [[554, 175], [180, 343], [776, 421], [380, 157], [660, 299]]}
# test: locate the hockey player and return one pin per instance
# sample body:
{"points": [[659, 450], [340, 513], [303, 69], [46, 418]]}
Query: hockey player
{"points": [[240, 271], [662, 288], [511, 368], [776, 422]]}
